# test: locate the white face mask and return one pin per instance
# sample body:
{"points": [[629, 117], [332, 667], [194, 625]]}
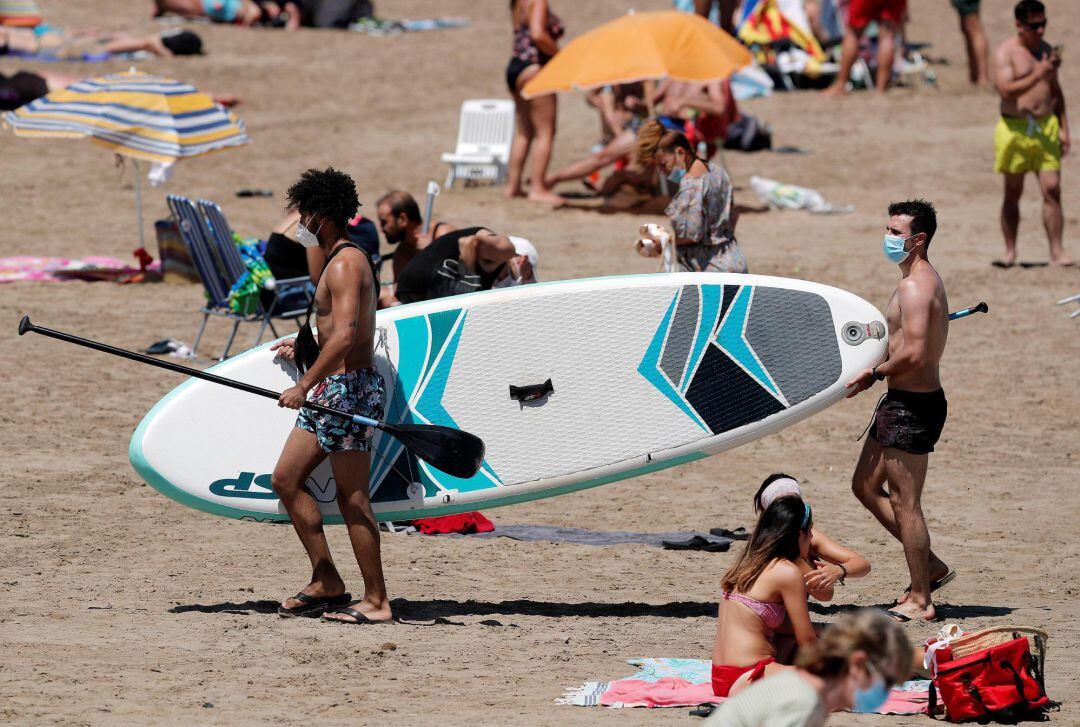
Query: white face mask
{"points": [[306, 237]]}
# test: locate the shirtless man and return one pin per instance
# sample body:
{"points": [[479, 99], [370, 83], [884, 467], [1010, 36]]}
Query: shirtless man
{"points": [[1032, 134], [340, 373], [908, 421], [402, 226]]}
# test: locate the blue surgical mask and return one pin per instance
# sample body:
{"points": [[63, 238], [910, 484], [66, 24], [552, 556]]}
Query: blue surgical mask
{"points": [[894, 248], [676, 175], [871, 698]]}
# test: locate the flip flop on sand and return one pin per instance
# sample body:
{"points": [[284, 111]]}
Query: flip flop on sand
{"points": [[898, 617], [312, 606], [1003, 264], [943, 581], [361, 618]]}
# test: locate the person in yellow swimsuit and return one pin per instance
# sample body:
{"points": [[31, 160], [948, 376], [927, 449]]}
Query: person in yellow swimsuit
{"points": [[1032, 134]]}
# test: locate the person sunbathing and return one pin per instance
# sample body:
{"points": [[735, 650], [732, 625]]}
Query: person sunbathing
{"points": [[830, 562], [55, 43], [622, 111], [763, 590], [22, 87], [246, 13]]}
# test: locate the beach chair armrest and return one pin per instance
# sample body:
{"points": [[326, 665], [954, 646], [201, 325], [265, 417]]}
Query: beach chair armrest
{"points": [[453, 158]]}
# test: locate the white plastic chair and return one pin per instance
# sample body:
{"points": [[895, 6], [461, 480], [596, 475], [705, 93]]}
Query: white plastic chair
{"points": [[485, 132]]}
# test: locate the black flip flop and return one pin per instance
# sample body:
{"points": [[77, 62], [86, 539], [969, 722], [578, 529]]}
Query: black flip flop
{"points": [[361, 618], [943, 581], [312, 606], [696, 543], [898, 617], [736, 534]]}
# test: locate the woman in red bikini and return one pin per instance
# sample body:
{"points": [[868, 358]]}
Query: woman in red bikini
{"points": [[763, 587]]}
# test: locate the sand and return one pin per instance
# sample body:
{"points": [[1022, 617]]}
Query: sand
{"points": [[120, 606]]}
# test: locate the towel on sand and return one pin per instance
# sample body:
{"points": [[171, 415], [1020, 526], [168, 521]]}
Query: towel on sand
{"points": [[688, 683], [601, 537], [60, 269]]}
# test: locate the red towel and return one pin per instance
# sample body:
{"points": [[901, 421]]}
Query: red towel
{"points": [[465, 523]]}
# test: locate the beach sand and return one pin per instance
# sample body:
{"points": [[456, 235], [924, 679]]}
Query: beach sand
{"points": [[119, 606]]}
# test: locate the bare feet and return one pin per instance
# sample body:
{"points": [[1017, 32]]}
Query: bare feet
{"points": [[1006, 261], [1062, 260], [546, 196], [512, 192], [372, 611], [835, 90]]}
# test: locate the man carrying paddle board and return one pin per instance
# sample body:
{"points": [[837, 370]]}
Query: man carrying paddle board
{"points": [[909, 419], [339, 371]]}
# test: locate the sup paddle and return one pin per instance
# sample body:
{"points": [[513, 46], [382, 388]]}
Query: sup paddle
{"points": [[451, 450], [980, 308]]}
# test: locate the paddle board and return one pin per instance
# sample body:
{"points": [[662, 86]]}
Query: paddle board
{"points": [[646, 372]]}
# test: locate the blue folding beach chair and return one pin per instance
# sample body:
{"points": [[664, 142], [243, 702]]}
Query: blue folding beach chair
{"points": [[291, 295], [211, 269]]}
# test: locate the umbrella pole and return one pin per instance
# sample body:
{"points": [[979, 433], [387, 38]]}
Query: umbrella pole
{"points": [[138, 202]]}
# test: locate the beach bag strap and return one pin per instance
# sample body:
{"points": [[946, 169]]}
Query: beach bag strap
{"points": [[307, 348]]}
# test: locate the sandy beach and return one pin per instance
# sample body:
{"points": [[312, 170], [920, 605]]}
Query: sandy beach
{"points": [[121, 607]]}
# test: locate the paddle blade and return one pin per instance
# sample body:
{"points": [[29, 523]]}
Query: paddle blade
{"points": [[450, 450]]}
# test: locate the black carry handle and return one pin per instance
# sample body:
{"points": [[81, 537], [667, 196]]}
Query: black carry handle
{"points": [[531, 392]]}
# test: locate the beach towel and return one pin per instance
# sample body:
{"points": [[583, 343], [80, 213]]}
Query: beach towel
{"points": [[664, 682], [20, 13], [464, 523], [62, 269], [580, 536], [378, 26]]}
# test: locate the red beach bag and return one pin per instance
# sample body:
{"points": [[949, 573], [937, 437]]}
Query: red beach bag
{"points": [[1002, 682]]}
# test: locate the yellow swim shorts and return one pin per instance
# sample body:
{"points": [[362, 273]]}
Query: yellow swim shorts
{"points": [[1022, 146]]}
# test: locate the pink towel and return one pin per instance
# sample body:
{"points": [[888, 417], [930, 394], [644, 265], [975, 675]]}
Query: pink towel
{"points": [[676, 692], [666, 692]]}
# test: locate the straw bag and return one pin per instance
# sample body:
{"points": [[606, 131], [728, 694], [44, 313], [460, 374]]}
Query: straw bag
{"points": [[996, 674]]}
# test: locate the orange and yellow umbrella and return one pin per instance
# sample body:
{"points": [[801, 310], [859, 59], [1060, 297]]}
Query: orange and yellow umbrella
{"points": [[639, 47]]}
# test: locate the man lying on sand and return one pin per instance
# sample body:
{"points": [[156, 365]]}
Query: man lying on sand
{"points": [[909, 419]]}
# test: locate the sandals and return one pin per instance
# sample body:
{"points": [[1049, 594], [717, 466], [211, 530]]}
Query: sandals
{"points": [[361, 618], [313, 606]]}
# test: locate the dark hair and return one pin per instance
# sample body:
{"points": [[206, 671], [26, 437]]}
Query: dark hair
{"points": [[768, 481], [401, 203], [1026, 8], [329, 193], [922, 213], [776, 535], [182, 42]]}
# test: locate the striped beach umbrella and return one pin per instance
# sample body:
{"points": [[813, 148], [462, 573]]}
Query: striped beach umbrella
{"points": [[135, 115]]}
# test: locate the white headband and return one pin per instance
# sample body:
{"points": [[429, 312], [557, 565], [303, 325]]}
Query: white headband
{"points": [[783, 487]]}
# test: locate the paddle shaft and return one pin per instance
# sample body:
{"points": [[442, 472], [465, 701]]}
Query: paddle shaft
{"points": [[980, 308], [25, 325]]}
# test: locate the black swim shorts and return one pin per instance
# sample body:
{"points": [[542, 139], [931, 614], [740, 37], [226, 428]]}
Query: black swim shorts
{"points": [[910, 420]]}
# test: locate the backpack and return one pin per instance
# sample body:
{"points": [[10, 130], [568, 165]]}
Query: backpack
{"points": [[995, 674]]}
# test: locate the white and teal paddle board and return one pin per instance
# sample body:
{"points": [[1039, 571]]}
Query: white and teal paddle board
{"points": [[647, 372]]}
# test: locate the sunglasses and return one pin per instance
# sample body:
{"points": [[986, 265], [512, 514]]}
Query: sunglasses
{"points": [[1036, 26]]}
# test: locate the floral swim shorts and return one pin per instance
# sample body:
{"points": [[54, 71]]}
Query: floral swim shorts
{"points": [[359, 392]]}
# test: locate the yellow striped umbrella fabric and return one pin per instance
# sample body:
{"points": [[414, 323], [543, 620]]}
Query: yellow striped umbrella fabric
{"points": [[134, 114]]}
